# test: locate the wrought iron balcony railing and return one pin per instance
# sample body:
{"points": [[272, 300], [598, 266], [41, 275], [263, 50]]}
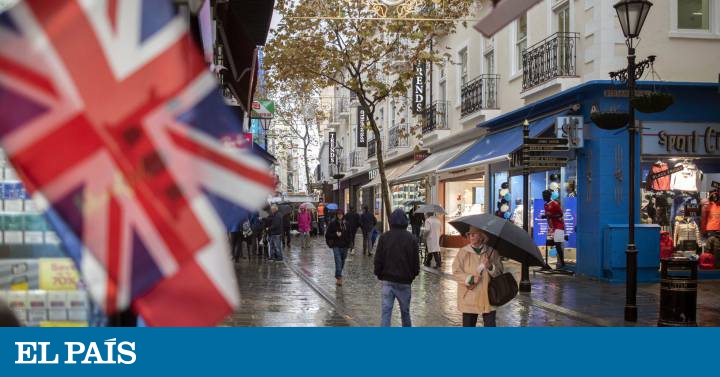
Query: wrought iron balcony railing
{"points": [[372, 147], [479, 93], [398, 137], [436, 117], [553, 57]]}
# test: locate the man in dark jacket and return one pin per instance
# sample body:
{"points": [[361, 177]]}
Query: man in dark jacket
{"points": [[274, 224], [287, 222], [416, 221], [397, 263], [337, 237], [367, 223], [353, 220]]}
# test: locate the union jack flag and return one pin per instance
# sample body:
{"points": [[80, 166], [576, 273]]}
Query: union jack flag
{"points": [[114, 123]]}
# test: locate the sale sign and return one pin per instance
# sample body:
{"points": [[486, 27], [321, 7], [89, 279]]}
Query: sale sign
{"points": [[58, 274]]}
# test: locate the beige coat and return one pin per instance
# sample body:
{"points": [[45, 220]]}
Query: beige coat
{"points": [[475, 301], [433, 229]]}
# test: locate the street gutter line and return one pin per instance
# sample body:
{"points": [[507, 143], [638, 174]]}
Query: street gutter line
{"points": [[341, 310], [589, 319]]}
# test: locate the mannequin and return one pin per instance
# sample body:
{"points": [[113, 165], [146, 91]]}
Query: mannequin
{"points": [[517, 216], [556, 225], [687, 234]]}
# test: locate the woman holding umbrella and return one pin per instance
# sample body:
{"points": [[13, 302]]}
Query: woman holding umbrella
{"points": [[473, 267]]}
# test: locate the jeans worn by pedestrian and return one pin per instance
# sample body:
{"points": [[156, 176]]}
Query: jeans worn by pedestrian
{"points": [[340, 254], [390, 292], [276, 245], [367, 242]]}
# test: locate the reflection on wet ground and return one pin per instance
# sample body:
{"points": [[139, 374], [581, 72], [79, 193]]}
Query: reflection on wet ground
{"points": [[301, 291]]}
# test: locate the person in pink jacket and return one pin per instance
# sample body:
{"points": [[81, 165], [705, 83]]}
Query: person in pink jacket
{"points": [[304, 225]]}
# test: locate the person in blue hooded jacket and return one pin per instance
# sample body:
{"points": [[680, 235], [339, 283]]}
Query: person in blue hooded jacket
{"points": [[397, 263]]}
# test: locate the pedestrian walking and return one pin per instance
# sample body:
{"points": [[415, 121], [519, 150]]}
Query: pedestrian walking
{"points": [[287, 223], [367, 224], [337, 237], [321, 219], [433, 229], [274, 229], [416, 220], [473, 267], [235, 238], [304, 226], [353, 220], [397, 263]]}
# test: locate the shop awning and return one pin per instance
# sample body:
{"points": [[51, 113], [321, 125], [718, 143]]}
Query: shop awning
{"points": [[497, 145], [432, 162], [391, 173]]}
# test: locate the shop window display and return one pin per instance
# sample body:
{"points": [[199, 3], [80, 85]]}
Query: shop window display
{"points": [[463, 198], [405, 193], [37, 281], [683, 200]]}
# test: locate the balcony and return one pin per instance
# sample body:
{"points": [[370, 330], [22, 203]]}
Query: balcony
{"points": [[372, 148], [479, 93], [436, 117], [342, 106], [551, 58], [398, 137]]}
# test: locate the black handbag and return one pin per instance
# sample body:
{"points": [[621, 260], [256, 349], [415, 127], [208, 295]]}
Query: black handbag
{"points": [[502, 289]]}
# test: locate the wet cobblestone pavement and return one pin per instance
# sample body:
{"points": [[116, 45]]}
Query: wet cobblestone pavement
{"points": [[301, 291]]}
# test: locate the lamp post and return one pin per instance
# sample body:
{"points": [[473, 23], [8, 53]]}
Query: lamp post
{"points": [[632, 15], [265, 124], [338, 175]]}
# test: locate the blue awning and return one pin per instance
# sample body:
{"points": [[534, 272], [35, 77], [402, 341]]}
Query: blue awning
{"points": [[500, 144]]}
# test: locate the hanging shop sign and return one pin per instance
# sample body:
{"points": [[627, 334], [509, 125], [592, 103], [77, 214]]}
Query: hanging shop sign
{"points": [[361, 130], [419, 89], [681, 139], [665, 173], [262, 109], [571, 128], [332, 144]]}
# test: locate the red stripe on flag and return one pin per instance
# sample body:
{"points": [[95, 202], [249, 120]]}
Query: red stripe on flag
{"points": [[188, 298], [11, 68], [112, 14], [114, 242], [259, 176]]}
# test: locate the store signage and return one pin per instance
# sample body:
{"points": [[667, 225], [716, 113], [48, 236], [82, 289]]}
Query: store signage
{"points": [[361, 130], [420, 155], [715, 184], [545, 148], [571, 128], [570, 205], [332, 144], [665, 173], [262, 109], [625, 93], [373, 173], [419, 88], [681, 139], [545, 141]]}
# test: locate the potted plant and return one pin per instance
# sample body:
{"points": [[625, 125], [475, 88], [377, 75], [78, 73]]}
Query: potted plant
{"points": [[654, 102], [610, 120]]}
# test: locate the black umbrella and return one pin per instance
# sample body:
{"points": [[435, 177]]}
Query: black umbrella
{"points": [[508, 239], [413, 202]]}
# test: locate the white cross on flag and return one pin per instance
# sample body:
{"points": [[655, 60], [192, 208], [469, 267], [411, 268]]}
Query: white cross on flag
{"points": [[114, 123]]}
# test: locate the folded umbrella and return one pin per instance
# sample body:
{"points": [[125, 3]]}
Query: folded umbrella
{"points": [[508, 239], [430, 208], [285, 209]]}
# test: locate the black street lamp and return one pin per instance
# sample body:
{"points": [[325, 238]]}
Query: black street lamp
{"points": [[632, 15], [338, 175]]}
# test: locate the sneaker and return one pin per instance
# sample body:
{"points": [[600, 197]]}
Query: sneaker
{"points": [[338, 282], [352, 251]]}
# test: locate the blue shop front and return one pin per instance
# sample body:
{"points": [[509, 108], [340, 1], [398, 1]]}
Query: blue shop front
{"points": [[681, 143]]}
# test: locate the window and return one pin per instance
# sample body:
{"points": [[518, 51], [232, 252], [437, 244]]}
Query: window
{"points": [[562, 25], [695, 18], [693, 14], [520, 41], [489, 56], [381, 118], [393, 111], [442, 91], [463, 66]]}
